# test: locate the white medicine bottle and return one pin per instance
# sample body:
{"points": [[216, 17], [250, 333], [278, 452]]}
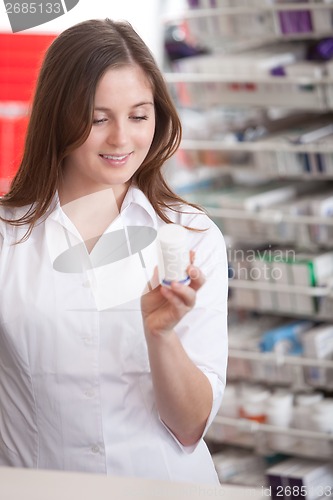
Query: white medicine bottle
{"points": [[175, 254]]}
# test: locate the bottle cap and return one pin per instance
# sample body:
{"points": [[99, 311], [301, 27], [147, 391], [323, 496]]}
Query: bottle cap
{"points": [[172, 235]]}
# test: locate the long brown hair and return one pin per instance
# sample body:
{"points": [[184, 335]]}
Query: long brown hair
{"points": [[62, 115]]}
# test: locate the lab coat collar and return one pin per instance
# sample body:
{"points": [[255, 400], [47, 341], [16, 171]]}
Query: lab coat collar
{"points": [[133, 196]]}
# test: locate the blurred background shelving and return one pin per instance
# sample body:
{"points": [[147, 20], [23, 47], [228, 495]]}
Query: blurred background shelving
{"points": [[253, 83]]}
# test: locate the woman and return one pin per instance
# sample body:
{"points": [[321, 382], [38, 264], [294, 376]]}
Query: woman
{"points": [[102, 369]]}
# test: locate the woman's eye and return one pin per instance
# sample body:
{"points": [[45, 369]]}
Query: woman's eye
{"points": [[139, 118], [96, 121]]}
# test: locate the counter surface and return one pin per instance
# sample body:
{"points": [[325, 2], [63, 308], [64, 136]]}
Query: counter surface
{"points": [[19, 484]]}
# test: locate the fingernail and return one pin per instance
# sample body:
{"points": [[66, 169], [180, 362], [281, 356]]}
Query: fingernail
{"points": [[193, 272]]}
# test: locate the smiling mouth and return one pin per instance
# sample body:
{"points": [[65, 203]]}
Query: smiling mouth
{"points": [[115, 157]]}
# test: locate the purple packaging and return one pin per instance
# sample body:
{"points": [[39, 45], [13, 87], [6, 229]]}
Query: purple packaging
{"points": [[321, 50], [193, 4], [295, 21]]}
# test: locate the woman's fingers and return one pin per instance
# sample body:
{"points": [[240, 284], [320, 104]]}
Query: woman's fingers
{"points": [[179, 295], [197, 277], [192, 256], [185, 293]]}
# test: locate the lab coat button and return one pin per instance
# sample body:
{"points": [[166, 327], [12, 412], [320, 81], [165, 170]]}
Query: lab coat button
{"points": [[95, 448]]}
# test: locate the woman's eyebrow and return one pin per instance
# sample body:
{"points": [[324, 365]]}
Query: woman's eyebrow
{"points": [[143, 103]]}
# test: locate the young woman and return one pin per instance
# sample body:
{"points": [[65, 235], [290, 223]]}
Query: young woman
{"points": [[102, 369]]}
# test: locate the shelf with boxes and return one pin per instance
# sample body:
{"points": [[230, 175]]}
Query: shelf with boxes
{"points": [[293, 76], [208, 89], [216, 22], [300, 301], [286, 223], [282, 352], [276, 421], [257, 154], [291, 478], [288, 212], [276, 404], [274, 157], [268, 404], [279, 359], [245, 430], [284, 279], [291, 144]]}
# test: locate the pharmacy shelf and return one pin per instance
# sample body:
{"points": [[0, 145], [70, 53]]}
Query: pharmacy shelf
{"points": [[279, 359], [178, 77], [227, 41], [246, 425], [246, 169], [311, 291], [237, 28], [273, 225], [248, 9], [264, 438], [268, 216], [211, 24], [257, 146], [235, 42], [204, 90], [256, 161], [247, 295], [321, 316]]}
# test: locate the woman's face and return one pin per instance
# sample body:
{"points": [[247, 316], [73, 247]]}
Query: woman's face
{"points": [[122, 132]]}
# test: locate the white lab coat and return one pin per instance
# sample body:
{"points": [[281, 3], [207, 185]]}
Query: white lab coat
{"points": [[75, 383]]}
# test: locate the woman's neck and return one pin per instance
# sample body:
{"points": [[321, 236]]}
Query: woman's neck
{"points": [[93, 213]]}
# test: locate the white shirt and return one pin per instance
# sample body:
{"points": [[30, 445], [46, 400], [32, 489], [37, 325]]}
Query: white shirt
{"points": [[75, 383]]}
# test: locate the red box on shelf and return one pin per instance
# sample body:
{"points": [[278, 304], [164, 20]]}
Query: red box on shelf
{"points": [[12, 136], [20, 59]]}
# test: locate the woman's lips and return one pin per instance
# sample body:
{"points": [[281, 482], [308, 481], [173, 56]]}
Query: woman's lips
{"points": [[115, 159]]}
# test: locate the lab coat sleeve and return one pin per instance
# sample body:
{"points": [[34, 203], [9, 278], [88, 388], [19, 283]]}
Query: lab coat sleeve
{"points": [[203, 331]]}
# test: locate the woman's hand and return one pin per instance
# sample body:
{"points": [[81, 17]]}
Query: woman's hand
{"points": [[162, 307], [183, 394]]}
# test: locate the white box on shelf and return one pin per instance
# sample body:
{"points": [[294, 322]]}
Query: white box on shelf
{"points": [[318, 343]]}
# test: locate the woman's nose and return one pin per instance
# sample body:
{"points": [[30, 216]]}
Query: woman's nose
{"points": [[117, 135]]}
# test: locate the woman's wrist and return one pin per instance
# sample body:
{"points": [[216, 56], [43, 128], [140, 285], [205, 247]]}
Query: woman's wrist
{"points": [[158, 333]]}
